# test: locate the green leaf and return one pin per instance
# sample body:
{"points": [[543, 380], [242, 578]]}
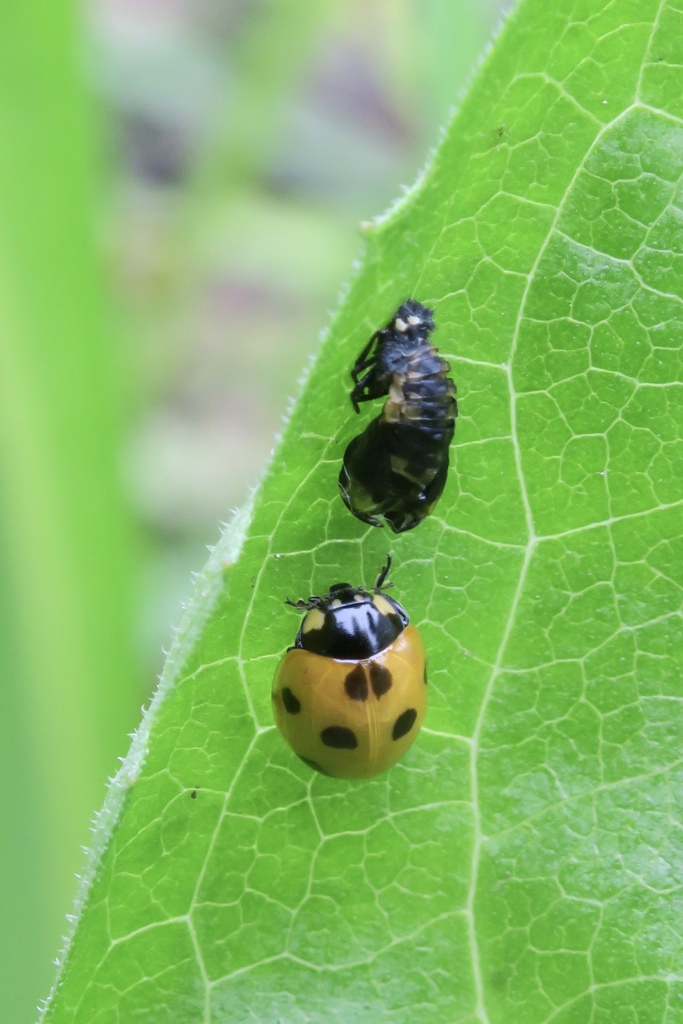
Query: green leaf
{"points": [[523, 862]]}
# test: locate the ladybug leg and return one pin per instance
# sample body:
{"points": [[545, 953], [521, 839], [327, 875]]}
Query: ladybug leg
{"points": [[384, 572], [361, 365], [367, 387], [304, 605], [363, 392], [365, 359]]}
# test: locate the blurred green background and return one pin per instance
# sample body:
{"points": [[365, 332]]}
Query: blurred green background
{"points": [[181, 183]]}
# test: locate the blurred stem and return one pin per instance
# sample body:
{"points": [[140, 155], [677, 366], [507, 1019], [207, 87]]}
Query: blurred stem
{"points": [[67, 557], [266, 66]]}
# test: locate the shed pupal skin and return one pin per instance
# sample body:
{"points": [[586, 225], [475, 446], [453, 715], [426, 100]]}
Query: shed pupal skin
{"points": [[395, 471]]}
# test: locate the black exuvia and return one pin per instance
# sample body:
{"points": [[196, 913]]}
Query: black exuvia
{"points": [[395, 471]]}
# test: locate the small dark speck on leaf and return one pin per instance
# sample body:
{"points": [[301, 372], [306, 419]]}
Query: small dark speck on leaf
{"points": [[498, 980]]}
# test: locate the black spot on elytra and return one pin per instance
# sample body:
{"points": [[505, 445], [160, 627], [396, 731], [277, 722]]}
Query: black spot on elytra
{"points": [[312, 764], [339, 737], [356, 685], [404, 723], [291, 703], [380, 679]]}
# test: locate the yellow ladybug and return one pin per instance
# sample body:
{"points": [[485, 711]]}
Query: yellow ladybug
{"points": [[350, 696]]}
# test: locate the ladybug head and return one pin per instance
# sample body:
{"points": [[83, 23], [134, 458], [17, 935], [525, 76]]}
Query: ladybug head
{"points": [[339, 590]]}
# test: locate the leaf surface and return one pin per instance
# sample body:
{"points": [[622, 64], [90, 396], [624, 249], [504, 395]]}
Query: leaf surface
{"points": [[523, 862]]}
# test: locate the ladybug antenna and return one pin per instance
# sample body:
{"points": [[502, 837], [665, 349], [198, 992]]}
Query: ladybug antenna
{"points": [[303, 605], [379, 582]]}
